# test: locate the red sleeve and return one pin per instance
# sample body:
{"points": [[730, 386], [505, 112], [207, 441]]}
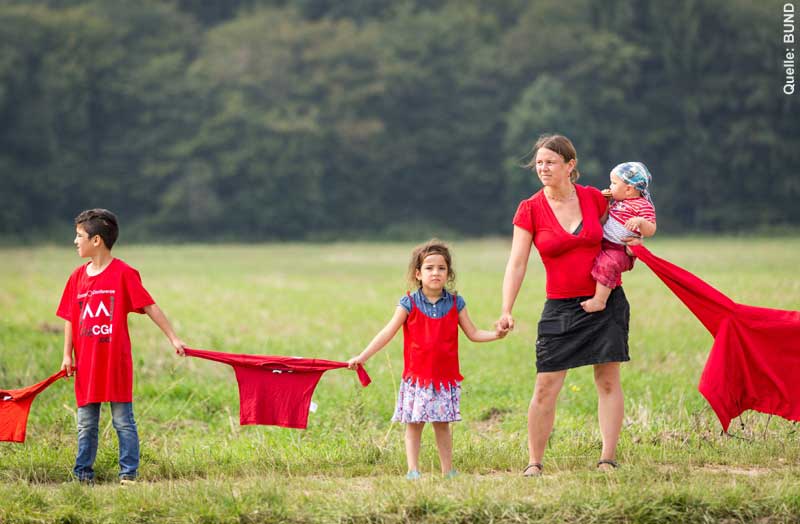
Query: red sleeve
{"points": [[524, 217], [137, 295], [648, 211], [65, 306]]}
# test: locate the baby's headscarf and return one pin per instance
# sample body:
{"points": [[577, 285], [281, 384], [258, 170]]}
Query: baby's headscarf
{"points": [[636, 175]]}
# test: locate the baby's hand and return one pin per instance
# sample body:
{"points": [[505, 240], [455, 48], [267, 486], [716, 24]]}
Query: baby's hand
{"points": [[501, 333], [606, 193], [354, 362], [633, 224]]}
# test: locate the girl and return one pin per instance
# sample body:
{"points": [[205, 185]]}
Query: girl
{"points": [[430, 390]]}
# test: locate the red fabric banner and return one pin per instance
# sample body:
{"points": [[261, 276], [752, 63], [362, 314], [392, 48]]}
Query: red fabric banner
{"points": [[754, 362]]}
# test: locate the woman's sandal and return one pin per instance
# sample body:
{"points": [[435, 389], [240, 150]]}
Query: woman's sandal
{"points": [[533, 470], [612, 463]]}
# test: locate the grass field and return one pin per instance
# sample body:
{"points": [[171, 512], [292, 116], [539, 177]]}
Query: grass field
{"points": [[327, 301]]}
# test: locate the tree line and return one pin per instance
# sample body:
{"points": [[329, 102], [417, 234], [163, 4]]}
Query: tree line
{"points": [[321, 119]]}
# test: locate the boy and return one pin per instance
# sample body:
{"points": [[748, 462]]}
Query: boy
{"points": [[95, 304], [631, 214]]}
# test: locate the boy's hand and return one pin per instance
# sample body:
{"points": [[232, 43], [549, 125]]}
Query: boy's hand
{"points": [[179, 346], [500, 333], [354, 362], [67, 365]]}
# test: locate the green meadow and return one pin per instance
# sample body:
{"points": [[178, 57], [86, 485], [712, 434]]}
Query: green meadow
{"points": [[328, 301]]}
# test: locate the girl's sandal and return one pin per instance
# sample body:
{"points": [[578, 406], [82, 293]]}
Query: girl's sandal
{"points": [[612, 463], [533, 470]]}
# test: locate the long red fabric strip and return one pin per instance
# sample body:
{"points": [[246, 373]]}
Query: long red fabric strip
{"points": [[15, 405], [754, 362], [275, 390]]}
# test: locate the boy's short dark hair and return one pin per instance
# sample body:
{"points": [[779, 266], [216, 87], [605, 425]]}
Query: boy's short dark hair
{"points": [[99, 222]]}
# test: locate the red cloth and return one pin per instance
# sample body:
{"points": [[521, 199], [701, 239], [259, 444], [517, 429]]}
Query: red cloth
{"points": [[567, 258], [755, 360], [430, 347], [15, 404], [273, 390], [98, 308]]}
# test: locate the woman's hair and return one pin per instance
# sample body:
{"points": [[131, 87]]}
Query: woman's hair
{"points": [[561, 145], [433, 246]]}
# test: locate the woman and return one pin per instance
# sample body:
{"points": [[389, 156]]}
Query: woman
{"points": [[563, 221]]}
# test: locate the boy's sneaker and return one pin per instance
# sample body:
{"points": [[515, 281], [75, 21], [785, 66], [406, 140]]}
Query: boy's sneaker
{"points": [[85, 481], [412, 475], [126, 480]]}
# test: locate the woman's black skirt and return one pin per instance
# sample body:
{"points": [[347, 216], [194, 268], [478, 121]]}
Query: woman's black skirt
{"points": [[569, 337]]}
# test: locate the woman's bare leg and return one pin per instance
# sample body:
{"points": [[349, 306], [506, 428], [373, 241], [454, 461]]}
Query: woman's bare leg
{"points": [[542, 413], [610, 408]]}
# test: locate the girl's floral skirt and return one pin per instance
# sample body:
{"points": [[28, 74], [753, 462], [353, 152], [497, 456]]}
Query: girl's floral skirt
{"points": [[416, 403]]}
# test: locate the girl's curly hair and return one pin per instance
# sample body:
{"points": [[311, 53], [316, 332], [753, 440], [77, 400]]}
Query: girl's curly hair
{"points": [[433, 246]]}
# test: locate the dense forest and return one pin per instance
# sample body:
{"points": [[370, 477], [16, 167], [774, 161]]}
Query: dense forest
{"points": [[256, 120]]}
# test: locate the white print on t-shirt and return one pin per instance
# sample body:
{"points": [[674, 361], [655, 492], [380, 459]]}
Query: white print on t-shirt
{"points": [[96, 292], [100, 309]]}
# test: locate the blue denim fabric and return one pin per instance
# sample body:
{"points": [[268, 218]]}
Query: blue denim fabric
{"points": [[436, 310], [124, 424]]}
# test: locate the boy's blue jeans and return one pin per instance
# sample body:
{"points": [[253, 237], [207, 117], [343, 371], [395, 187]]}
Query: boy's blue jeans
{"points": [[88, 422]]}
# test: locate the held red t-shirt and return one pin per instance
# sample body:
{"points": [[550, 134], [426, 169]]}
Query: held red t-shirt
{"points": [[15, 405], [567, 258], [275, 390], [98, 308]]}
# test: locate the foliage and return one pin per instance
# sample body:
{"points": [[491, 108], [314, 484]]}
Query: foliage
{"points": [[267, 119]]}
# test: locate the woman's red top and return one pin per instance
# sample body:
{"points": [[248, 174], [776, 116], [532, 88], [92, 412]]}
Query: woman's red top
{"points": [[567, 258]]}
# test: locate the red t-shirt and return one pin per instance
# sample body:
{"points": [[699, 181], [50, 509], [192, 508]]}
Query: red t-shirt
{"points": [[98, 308], [15, 404], [567, 258], [275, 390]]}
